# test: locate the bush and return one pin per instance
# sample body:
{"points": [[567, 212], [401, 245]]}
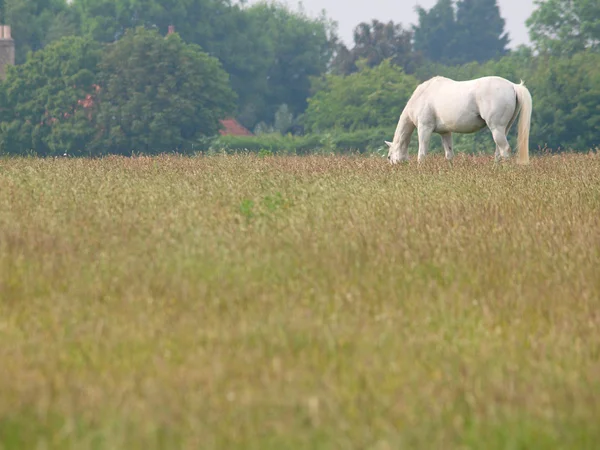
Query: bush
{"points": [[362, 141], [368, 141]]}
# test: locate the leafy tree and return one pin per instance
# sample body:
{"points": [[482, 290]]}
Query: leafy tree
{"points": [[197, 21], [375, 42], [480, 32], [42, 99], [435, 34], [566, 95], [269, 51], [221, 29], [564, 27], [159, 94], [36, 23], [474, 33], [300, 49], [371, 97]]}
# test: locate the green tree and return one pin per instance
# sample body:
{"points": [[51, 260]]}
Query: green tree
{"points": [[566, 95], [269, 51], [223, 30], [371, 97], [435, 34], [36, 23], [564, 27], [159, 94], [195, 20], [41, 99], [475, 32], [480, 32], [375, 42], [301, 48]]}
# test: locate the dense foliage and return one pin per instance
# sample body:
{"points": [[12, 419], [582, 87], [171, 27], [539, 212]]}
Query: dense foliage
{"points": [[158, 94], [42, 111], [564, 27], [567, 108], [269, 51], [436, 32], [474, 32], [369, 140], [36, 23], [371, 97], [142, 94], [375, 42]]}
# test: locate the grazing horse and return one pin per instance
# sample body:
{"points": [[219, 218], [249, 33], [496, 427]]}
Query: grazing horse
{"points": [[441, 105]]}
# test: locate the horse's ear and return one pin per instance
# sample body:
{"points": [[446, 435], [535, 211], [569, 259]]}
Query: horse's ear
{"points": [[389, 144]]}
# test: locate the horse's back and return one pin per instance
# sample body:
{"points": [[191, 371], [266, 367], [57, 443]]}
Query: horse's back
{"points": [[447, 105], [463, 106]]}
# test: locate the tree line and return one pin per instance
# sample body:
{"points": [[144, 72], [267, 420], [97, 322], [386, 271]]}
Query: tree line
{"points": [[98, 76]]}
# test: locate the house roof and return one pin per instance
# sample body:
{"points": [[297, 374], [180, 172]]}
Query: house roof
{"points": [[233, 127]]}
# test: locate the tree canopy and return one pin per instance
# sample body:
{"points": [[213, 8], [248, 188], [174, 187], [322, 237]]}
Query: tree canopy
{"points": [[375, 42], [268, 50], [435, 33], [144, 93], [300, 48], [566, 93], [41, 99], [472, 32], [159, 94], [36, 23], [371, 97], [480, 34], [564, 27]]}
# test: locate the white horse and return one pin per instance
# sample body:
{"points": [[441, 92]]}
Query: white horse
{"points": [[441, 105]]}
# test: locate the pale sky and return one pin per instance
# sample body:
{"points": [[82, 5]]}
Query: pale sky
{"points": [[349, 13]]}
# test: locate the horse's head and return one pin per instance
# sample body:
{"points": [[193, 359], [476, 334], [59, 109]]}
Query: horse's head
{"points": [[393, 152]]}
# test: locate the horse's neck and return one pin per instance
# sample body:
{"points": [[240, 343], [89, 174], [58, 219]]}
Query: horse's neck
{"points": [[405, 127]]}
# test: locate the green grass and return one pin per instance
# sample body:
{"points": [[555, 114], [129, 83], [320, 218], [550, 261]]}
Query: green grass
{"points": [[299, 302]]}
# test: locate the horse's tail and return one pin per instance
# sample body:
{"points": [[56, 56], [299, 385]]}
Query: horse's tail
{"points": [[526, 104]]}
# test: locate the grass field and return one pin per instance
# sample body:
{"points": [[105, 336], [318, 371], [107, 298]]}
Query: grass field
{"points": [[299, 303]]}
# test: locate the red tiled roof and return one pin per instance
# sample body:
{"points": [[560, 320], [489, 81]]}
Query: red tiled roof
{"points": [[232, 126]]}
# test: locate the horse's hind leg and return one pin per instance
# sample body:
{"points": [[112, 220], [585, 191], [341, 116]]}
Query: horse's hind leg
{"points": [[502, 145], [447, 143], [497, 154]]}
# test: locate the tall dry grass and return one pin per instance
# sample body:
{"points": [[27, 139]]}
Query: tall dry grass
{"points": [[283, 302]]}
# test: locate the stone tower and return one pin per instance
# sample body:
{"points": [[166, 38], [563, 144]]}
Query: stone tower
{"points": [[7, 49]]}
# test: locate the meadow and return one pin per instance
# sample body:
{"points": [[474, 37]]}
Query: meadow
{"points": [[247, 302]]}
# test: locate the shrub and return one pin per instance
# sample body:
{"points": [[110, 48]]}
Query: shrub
{"points": [[361, 141]]}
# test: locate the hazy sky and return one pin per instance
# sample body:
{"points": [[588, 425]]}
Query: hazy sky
{"points": [[349, 13]]}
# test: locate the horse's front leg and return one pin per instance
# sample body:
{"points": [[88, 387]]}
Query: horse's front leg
{"points": [[447, 143], [424, 138]]}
